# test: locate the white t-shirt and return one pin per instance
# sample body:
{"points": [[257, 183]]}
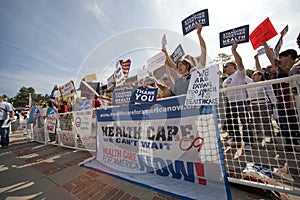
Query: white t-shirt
{"points": [[235, 79], [5, 107]]}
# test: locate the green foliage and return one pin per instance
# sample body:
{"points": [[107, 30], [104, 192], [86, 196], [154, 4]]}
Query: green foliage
{"points": [[249, 72], [22, 98]]}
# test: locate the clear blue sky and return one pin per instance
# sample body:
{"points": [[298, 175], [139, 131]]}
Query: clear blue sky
{"points": [[45, 42]]}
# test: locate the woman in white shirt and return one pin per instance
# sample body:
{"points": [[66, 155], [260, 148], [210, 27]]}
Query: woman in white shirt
{"points": [[262, 105]]}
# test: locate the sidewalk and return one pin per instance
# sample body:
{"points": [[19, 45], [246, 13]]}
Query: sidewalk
{"points": [[31, 170]]}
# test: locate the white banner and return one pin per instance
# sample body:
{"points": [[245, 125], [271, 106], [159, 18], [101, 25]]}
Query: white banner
{"points": [[67, 138], [85, 127], [168, 147], [119, 76], [68, 89], [51, 123], [83, 121], [142, 73]]}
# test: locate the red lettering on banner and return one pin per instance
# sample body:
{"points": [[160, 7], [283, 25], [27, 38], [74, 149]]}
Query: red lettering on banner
{"points": [[129, 155], [116, 153], [186, 143], [262, 33], [200, 172]]}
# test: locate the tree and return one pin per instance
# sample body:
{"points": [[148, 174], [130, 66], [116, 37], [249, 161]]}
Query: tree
{"points": [[249, 72], [22, 98]]}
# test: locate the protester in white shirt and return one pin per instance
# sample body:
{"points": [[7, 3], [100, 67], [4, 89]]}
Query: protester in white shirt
{"points": [[6, 114], [237, 106]]}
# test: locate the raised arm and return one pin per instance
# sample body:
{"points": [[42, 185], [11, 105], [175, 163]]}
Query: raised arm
{"points": [[257, 64], [237, 57], [202, 45], [270, 54], [169, 60]]}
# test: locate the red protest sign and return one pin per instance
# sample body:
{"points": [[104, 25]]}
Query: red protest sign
{"points": [[264, 32]]}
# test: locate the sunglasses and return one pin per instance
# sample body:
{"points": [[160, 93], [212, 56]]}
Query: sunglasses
{"points": [[284, 55]]}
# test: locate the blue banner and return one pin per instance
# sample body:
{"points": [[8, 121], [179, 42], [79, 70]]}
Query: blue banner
{"points": [[165, 108]]}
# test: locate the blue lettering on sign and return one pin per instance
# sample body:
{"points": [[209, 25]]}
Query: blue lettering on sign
{"points": [[162, 167]]}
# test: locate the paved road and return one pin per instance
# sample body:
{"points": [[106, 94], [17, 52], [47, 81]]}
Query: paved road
{"points": [[31, 170]]}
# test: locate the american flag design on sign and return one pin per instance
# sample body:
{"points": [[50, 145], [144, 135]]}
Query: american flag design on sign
{"points": [[125, 64], [285, 30]]}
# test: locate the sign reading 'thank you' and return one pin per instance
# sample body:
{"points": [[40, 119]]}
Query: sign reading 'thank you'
{"points": [[144, 95]]}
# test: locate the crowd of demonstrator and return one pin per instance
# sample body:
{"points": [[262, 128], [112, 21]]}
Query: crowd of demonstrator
{"points": [[249, 108]]}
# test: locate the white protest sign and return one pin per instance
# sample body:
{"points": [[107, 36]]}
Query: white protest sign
{"points": [[261, 51], [142, 73], [110, 81], [67, 138], [204, 87], [51, 123], [156, 61], [120, 78], [164, 41], [68, 89], [56, 93], [82, 121]]}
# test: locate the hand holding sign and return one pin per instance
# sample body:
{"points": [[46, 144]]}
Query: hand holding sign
{"points": [[234, 46], [199, 29]]}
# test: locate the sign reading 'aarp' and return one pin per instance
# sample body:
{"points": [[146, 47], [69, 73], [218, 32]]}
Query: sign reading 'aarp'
{"points": [[189, 23], [238, 35]]}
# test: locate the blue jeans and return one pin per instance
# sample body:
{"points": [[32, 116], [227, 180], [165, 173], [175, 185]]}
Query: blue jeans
{"points": [[4, 135]]}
